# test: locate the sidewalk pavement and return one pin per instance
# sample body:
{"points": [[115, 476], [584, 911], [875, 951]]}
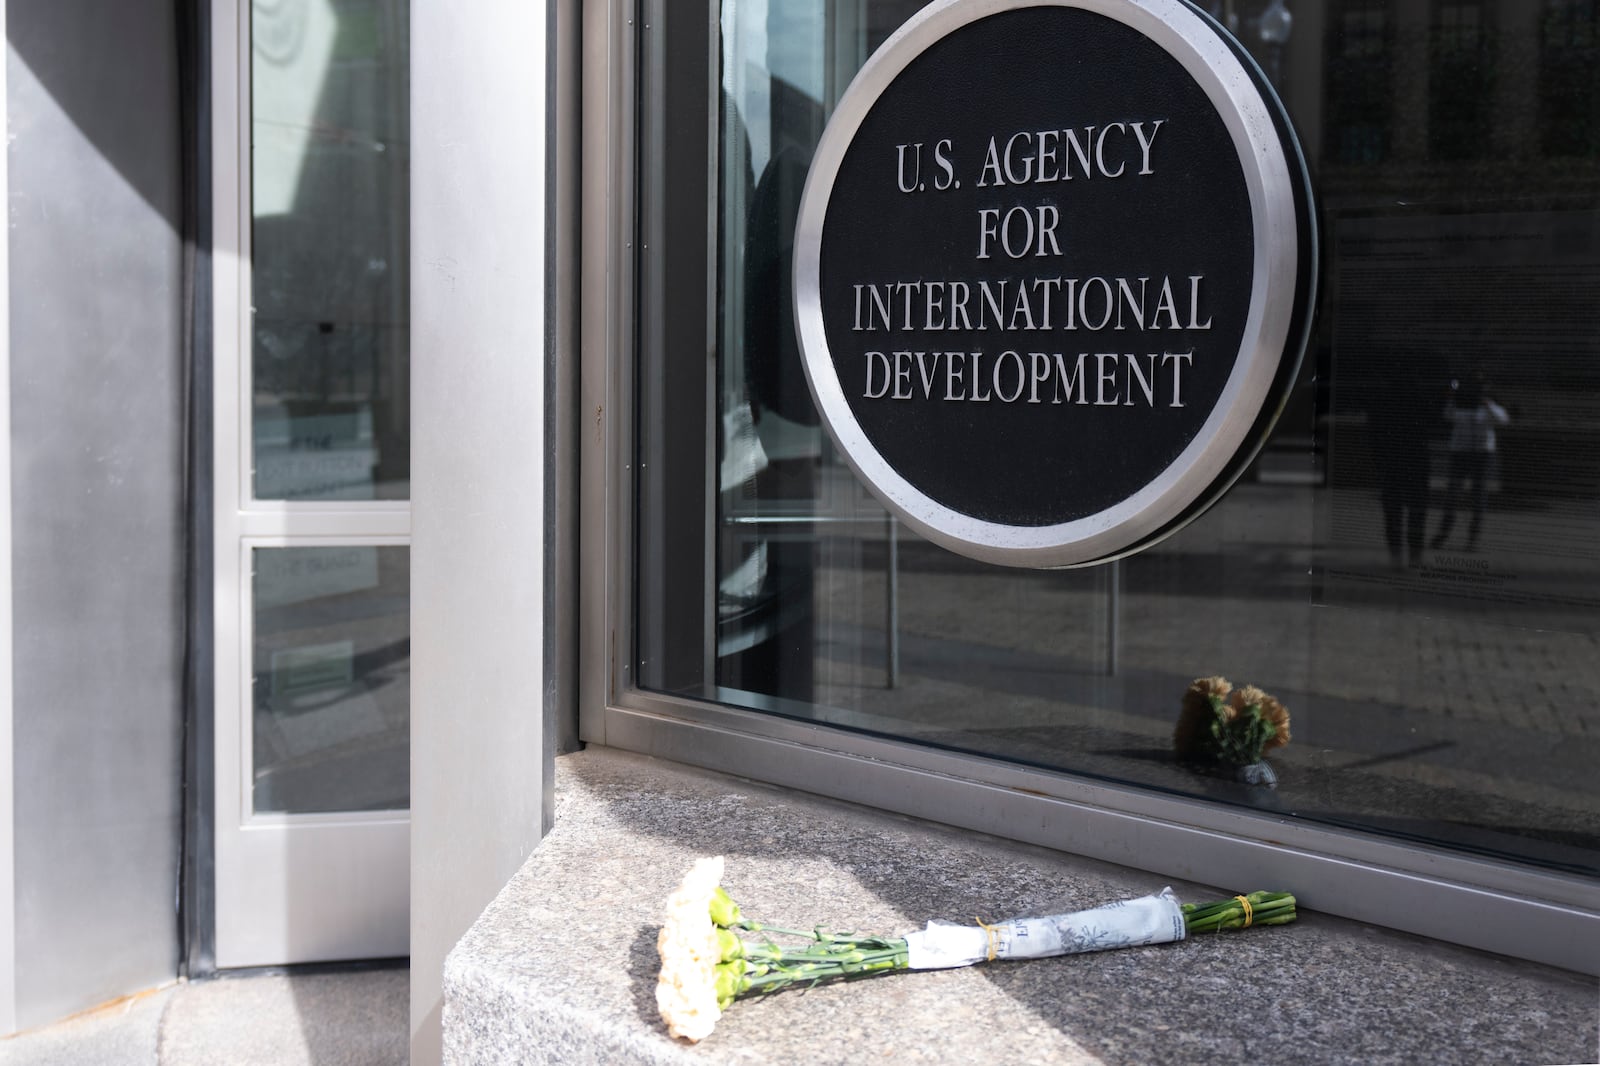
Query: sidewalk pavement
{"points": [[345, 1018]]}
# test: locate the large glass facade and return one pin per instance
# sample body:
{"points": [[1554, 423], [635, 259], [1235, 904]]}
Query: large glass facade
{"points": [[1410, 564]]}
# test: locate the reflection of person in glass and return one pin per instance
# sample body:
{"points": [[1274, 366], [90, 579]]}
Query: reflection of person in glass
{"points": [[1394, 391], [1472, 415]]}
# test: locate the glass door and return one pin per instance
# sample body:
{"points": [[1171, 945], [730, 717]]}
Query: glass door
{"points": [[312, 477]]}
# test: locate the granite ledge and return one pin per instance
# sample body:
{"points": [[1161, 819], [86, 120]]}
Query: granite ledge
{"points": [[560, 968]]}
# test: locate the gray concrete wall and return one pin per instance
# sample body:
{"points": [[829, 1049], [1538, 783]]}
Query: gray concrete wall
{"points": [[97, 423]]}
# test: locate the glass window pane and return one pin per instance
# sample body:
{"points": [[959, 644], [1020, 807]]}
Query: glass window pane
{"points": [[329, 169], [332, 678], [1410, 563]]}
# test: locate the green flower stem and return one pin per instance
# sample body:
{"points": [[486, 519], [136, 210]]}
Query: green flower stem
{"points": [[845, 953], [769, 966], [1267, 908], [815, 971], [757, 967]]}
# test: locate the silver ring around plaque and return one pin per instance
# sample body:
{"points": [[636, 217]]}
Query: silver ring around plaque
{"points": [[1054, 271]]}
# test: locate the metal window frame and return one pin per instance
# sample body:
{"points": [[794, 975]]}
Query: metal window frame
{"points": [[1501, 907]]}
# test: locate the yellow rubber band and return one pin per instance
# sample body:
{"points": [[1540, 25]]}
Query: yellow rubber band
{"points": [[1249, 912], [994, 936]]}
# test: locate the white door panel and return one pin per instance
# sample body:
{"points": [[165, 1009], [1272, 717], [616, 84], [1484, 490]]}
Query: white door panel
{"points": [[311, 514]]}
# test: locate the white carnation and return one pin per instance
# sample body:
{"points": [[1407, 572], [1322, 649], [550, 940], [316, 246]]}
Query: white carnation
{"points": [[686, 991]]}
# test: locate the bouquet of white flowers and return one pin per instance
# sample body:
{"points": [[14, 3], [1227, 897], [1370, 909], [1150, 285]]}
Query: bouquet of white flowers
{"points": [[706, 964]]}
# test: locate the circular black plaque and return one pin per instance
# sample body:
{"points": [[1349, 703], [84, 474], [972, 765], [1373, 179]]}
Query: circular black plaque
{"points": [[1051, 274]]}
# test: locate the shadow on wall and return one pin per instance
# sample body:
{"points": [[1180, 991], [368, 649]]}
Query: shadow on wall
{"points": [[109, 102]]}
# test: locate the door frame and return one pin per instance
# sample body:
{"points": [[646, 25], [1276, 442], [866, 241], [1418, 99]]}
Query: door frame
{"points": [[288, 888]]}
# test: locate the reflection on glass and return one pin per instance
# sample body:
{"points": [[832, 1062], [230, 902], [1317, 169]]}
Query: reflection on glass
{"points": [[1409, 565], [329, 165], [331, 679]]}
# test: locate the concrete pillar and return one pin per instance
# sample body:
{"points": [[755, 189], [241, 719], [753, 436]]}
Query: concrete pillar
{"points": [[478, 356]]}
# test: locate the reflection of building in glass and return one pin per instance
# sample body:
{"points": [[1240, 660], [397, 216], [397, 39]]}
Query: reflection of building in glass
{"points": [[1358, 64], [1494, 82], [1457, 185], [1461, 80], [330, 318], [1440, 106], [1568, 56]]}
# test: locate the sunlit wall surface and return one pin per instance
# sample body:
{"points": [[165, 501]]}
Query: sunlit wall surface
{"points": [[1411, 564]]}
